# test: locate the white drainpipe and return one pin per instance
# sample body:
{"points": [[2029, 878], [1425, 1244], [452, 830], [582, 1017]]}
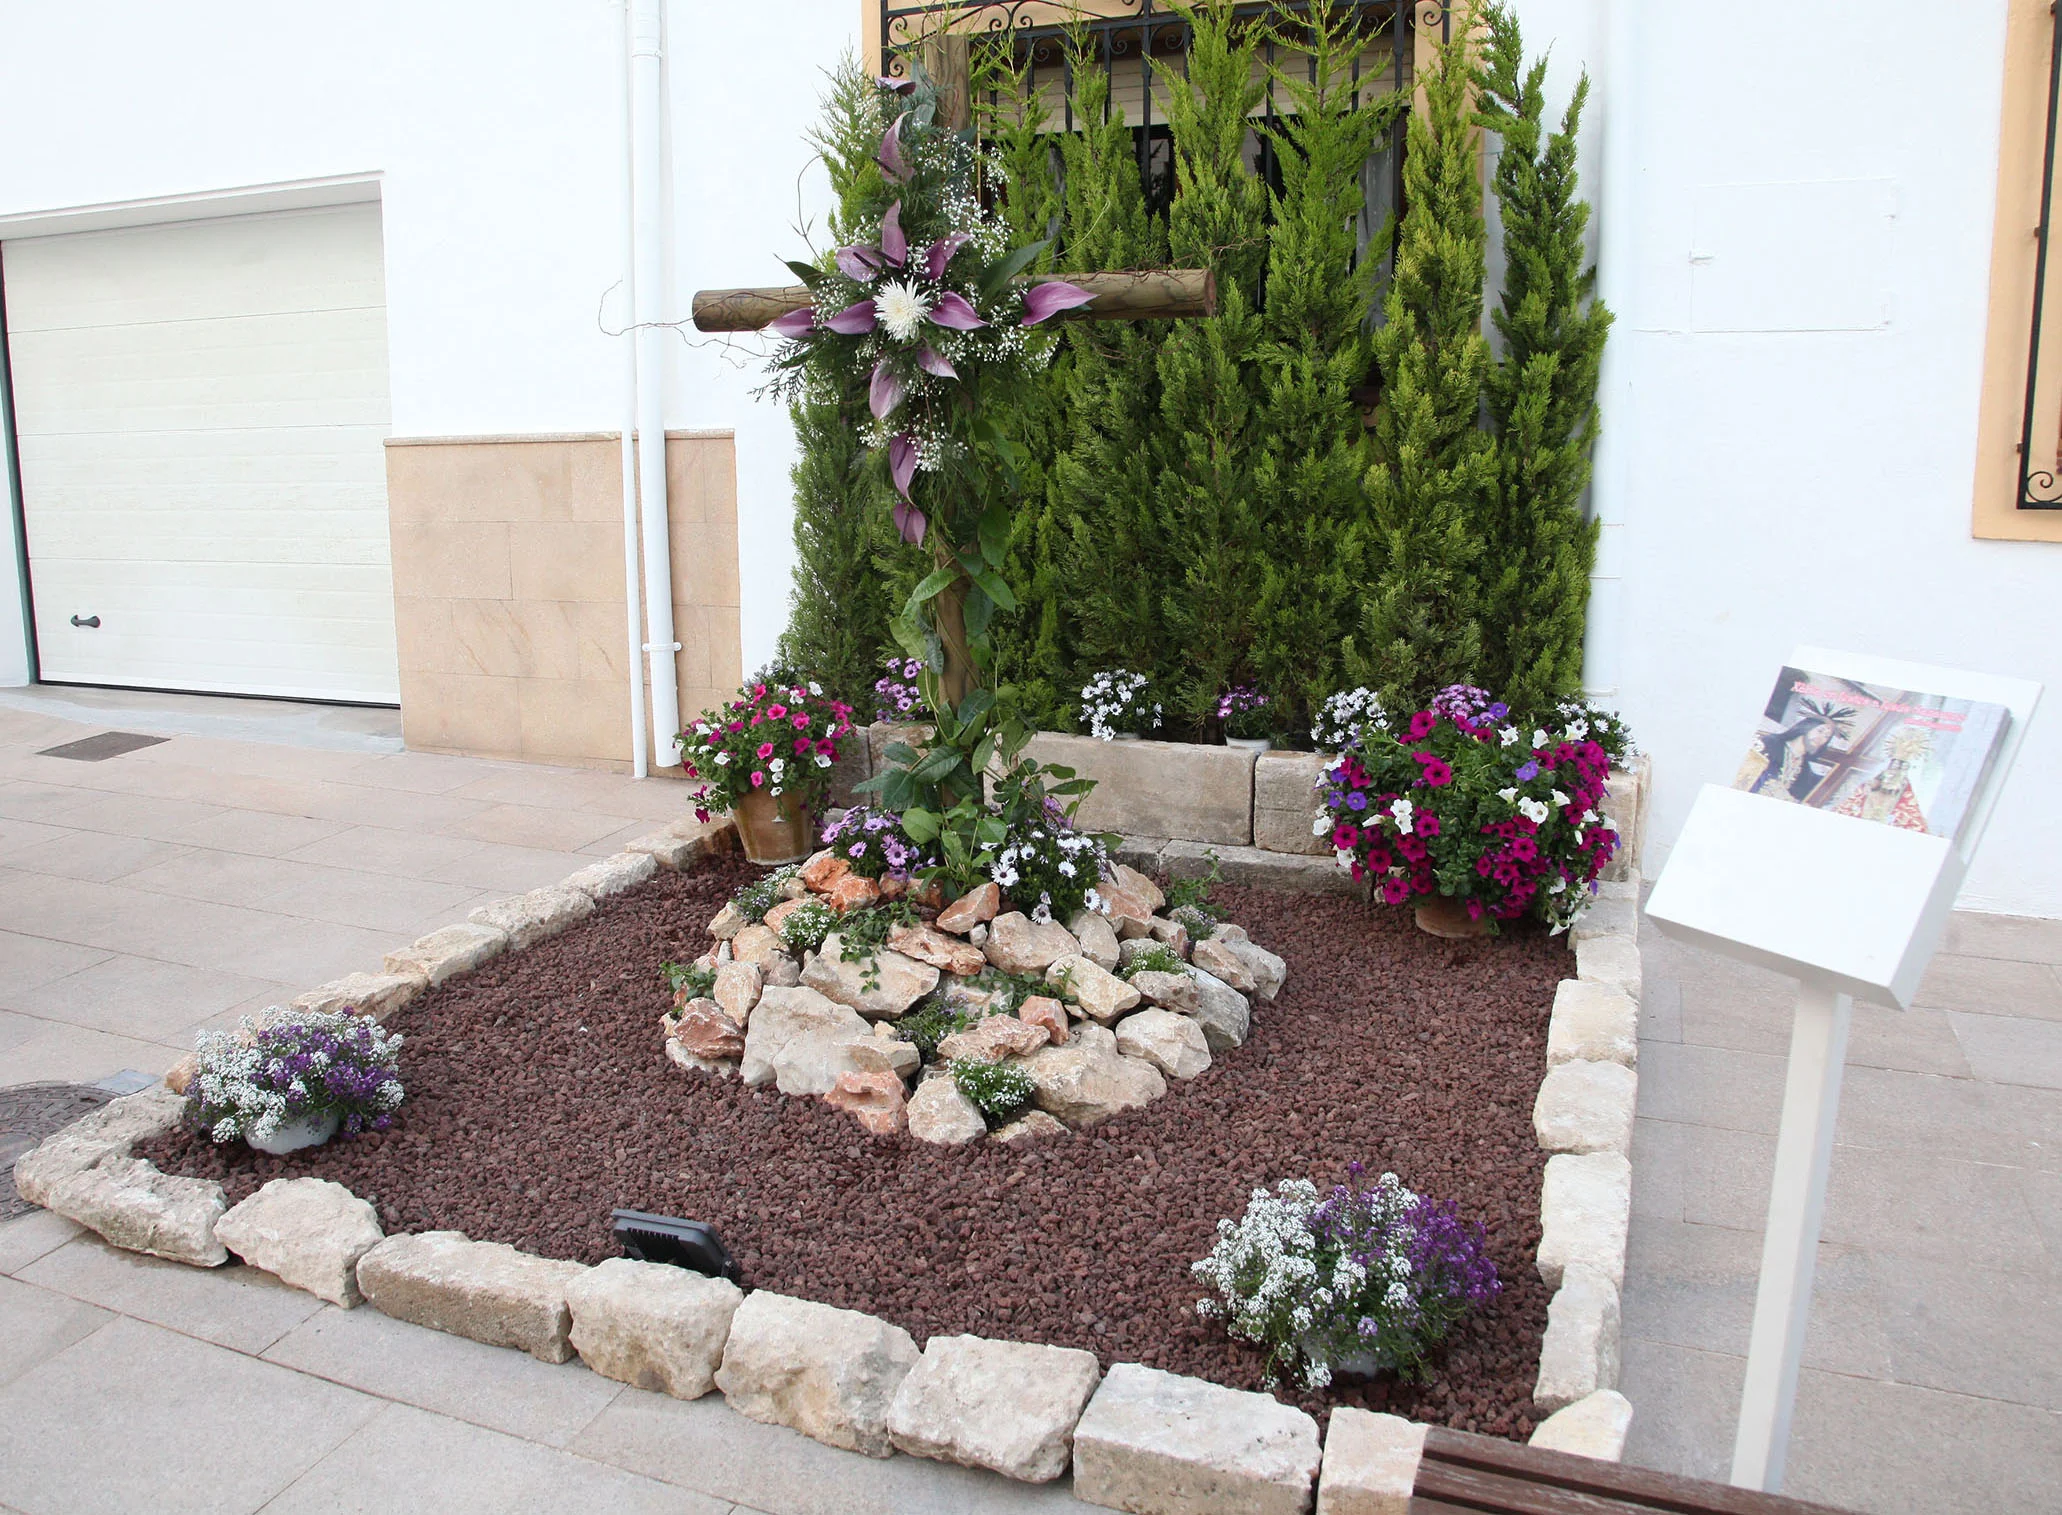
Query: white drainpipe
{"points": [[633, 597], [1610, 492], [648, 240]]}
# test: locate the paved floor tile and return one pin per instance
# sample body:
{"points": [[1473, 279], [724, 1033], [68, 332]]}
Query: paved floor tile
{"points": [[496, 1387], [311, 891], [1685, 1407], [705, 1445], [379, 849], [2009, 1049], [408, 1459], [260, 831], [2018, 937], [36, 1324], [20, 836], [1991, 986], [1711, 1086], [1661, 1153], [507, 869], [1977, 1331], [139, 996], [95, 856], [136, 1418], [28, 961], [34, 1050], [534, 826], [241, 1308], [28, 1237]]}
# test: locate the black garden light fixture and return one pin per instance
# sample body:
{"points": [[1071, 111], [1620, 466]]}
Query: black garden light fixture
{"points": [[668, 1239]]}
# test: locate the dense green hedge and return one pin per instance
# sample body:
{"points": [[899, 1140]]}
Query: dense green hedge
{"points": [[1203, 501]]}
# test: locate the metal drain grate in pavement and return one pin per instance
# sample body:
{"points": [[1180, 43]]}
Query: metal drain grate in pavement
{"points": [[98, 749], [30, 1112]]}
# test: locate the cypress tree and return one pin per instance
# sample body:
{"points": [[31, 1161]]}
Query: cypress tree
{"points": [[1204, 506], [1312, 448], [841, 602], [1430, 492], [1542, 394]]}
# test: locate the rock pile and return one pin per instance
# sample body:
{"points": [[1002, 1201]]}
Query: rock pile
{"points": [[1114, 1024]]}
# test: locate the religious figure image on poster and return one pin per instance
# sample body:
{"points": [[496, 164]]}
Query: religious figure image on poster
{"points": [[1900, 757]]}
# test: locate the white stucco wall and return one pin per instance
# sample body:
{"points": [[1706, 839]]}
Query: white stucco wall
{"points": [[496, 132], [1780, 484]]}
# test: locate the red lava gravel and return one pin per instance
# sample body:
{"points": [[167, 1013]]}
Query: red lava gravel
{"points": [[539, 1098]]}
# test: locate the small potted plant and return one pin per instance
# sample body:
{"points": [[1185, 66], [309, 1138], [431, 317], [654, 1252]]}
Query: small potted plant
{"points": [[1470, 817], [1114, 705], [766, 757], [295, 1080], [1248, 724]]}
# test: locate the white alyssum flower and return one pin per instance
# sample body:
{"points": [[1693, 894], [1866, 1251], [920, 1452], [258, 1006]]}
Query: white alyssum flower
{"points": [[901, 308]]}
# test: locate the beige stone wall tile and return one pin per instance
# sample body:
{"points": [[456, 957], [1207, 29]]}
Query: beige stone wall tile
{"points": [[487, 481], [466, 560], [701, 478], [594, 488], [705, 562], [567, 560], [460, 712], [577, 718]]}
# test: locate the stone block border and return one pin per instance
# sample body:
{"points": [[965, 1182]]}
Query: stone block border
{"points": [[1138, 1439]]}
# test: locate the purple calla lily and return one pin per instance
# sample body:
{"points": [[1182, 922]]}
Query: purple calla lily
{"points": [[941, 252], [902, 461], [894, 241], [884, 391], [859, 264], [898, 86], [910, 522], [854, 320], [796, 323], [932, 363], [890, 155], [954, 313], [1050, 298]]}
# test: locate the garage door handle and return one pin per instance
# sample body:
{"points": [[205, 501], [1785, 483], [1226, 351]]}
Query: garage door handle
{"points": [[91, 620]]}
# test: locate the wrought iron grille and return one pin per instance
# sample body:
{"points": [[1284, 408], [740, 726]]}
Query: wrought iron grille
{"points": [[2039, 486], [1145, 39]]}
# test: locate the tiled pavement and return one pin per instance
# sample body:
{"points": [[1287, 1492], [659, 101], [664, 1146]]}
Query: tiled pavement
{"points": [[1933, 1368], [267, 848]]}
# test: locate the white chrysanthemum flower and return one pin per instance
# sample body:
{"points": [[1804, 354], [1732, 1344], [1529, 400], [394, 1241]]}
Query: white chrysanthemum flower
{"points": [[901, 308]]}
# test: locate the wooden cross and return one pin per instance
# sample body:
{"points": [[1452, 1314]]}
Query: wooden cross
{"points": [[1122, 295]]}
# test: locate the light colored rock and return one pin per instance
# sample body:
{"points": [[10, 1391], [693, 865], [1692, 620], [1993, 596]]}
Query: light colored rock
{"points": [[1160, 1443], [852, 892], [1285, 803], [1254, 867], [756, 943], [900, 981], [780, 969], [993, 1039], [800, 1042], [927, 944], [976, 907], [1594, 1426], [1607, 915], [1172, 1043], [775, 919], [1043, 1010], [1586, 1107], [612, 875], [1008, 1406], [1088, 1080], [830, 1374], [822, 869], [1101, 995], [706, 1030], [530, 918], [651, 1325], [738, 986], [1610, 960], [378, 995], [1267, 971], [1224, 1014], [727, 923], [1592, 1023], [1097, 936], [1132, 948], [307, 1232], [1172, 935], [1370, 1465], [449, 951], [1217, 958], [1626, 792], [680, 1057], [1018, 944], [1134, 882], [1029, 1126], [1579, 1354], [1168, 991], [969, 999], [1153, 788], [1584, 1208], [665, 850], [109, 1131], [1129, 913], [978, 936], [874, 1099], [131, 1204], [482, 1290], [940, 1114]]}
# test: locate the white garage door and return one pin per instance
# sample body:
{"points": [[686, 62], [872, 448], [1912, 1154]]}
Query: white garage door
{"points": [[201, 410]]}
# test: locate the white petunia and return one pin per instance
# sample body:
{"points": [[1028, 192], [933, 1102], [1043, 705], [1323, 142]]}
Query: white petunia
{"points": [[1508, 735], [1320, 824], [1508, 796], [1561, 799], [1535, 811], [1539, 737]]}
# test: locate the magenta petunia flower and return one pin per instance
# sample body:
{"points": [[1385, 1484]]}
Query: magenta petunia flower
{"points": [[1421, 725], [765, 751]]}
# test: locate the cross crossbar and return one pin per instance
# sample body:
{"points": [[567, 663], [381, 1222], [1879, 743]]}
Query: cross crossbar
{"points": [[1153, 294]]}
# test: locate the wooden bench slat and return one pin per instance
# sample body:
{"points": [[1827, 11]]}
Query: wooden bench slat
{"points": [[1501, 1493], [1636, 1488]]}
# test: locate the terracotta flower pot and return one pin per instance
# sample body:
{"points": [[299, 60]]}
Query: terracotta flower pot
{"points": [[773, 830], [1449, 917]]}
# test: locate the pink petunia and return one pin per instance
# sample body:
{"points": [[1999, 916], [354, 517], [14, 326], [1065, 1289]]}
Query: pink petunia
{"points": [[765, 751], [758, 779], [799, 722], [777, 712]]}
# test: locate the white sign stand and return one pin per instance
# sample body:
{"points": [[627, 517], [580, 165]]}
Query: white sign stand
{"points": [[1846, 907]]}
